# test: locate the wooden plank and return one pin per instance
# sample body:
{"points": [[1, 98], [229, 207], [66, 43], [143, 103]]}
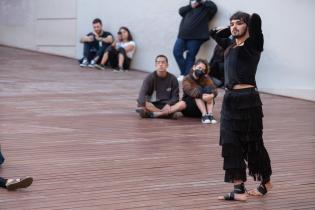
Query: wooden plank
{"points": [[75, 131]]}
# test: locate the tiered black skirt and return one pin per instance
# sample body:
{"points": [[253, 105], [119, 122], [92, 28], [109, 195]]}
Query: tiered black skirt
{"points": [[241, 139]]}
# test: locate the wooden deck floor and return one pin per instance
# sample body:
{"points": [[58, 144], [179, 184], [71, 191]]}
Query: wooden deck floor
{"points": [[74, 130]]}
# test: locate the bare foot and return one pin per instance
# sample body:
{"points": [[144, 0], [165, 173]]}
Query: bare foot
{"points": [[255, 192], [237, 197]]}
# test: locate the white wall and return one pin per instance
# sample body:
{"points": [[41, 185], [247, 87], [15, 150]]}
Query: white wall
{"points": [[285, 67], [42, 25]]}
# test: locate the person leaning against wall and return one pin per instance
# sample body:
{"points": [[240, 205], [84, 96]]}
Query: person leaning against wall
{"points": [[193, 32], [95, 43], [13, 184], [119, 55]]}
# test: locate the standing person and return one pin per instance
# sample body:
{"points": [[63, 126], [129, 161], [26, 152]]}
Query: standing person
{"points": [[193, 32], [159, 93], [241, 116], [13, 184], [120, 54], [95, 44], [199, 93]]}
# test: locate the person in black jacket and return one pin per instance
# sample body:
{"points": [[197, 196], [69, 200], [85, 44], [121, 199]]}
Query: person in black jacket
{"points": [[13, 184], [241, 126], [193, 31]]}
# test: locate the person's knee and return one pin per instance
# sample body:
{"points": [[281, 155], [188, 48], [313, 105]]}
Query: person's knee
{"points": [[208, 98], [181, 105]]}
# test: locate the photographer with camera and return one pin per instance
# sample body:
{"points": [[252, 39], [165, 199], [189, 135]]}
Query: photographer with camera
{"points": [[95, 43], [120, 54], [199, 93], [193, 32]]}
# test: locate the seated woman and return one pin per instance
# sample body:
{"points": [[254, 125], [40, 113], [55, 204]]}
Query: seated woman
{"points": [[120, 53], [199, 93]]}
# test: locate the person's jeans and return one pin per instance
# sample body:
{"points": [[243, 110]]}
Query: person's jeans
{"points": [[93, 49], [192, 47]]}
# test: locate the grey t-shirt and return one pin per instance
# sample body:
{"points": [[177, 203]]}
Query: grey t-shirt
{"points": [[157, 89]]}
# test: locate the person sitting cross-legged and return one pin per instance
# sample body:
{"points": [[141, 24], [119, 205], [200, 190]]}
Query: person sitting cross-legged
{"points": [[159, 93]]}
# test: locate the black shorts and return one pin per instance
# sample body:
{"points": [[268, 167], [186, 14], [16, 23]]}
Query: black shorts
{"points": [[159, 104], [192, 109]]}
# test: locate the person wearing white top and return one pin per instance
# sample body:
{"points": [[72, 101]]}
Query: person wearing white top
{"points": [[120, 53]]}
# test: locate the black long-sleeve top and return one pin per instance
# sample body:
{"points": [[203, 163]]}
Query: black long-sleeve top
{"points": [[240, 62], [194, 23], [157, 89]]}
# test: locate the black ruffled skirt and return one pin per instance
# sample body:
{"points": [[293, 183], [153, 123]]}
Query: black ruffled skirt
{"points": [[241, 133]]}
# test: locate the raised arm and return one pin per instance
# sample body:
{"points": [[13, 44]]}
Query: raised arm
{"points": [[211, 7], [184, 10], [221, 36], [256, 37]]}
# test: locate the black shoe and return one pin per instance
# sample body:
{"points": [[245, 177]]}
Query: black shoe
{"points": [[212, 119], [144, 114]]}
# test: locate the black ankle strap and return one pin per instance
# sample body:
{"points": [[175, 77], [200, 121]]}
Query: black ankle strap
{"points": [[265, 181], [239, 189]]}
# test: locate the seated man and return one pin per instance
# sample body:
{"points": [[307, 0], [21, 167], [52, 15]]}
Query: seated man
{"points": [[95, 44], [199, 93], [13, 184], [159, 93]]}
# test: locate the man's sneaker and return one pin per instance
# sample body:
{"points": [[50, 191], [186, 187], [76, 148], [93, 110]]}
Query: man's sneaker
{"points": [[205, 119], [212, 119], [92, 64], [144, 114], [100, 66], [13, 184], [180, 78], [84, 63]]}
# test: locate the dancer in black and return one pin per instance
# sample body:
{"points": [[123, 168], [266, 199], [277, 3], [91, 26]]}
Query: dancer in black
{"points": [[241, 115]]}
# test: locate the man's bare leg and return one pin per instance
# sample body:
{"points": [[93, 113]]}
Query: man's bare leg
{"points": [[105, 58], [151, 108], [166, 111]]}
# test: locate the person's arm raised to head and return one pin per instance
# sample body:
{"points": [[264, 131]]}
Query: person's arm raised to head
{"points": [[211, 6], [256, 37], [184, 10], [221, 36]]}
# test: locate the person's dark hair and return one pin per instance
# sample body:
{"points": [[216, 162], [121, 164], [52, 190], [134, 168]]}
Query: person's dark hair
{"points": [[161, 56], [130, 38], [97, 20], [204, 61], [240, 16]]}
